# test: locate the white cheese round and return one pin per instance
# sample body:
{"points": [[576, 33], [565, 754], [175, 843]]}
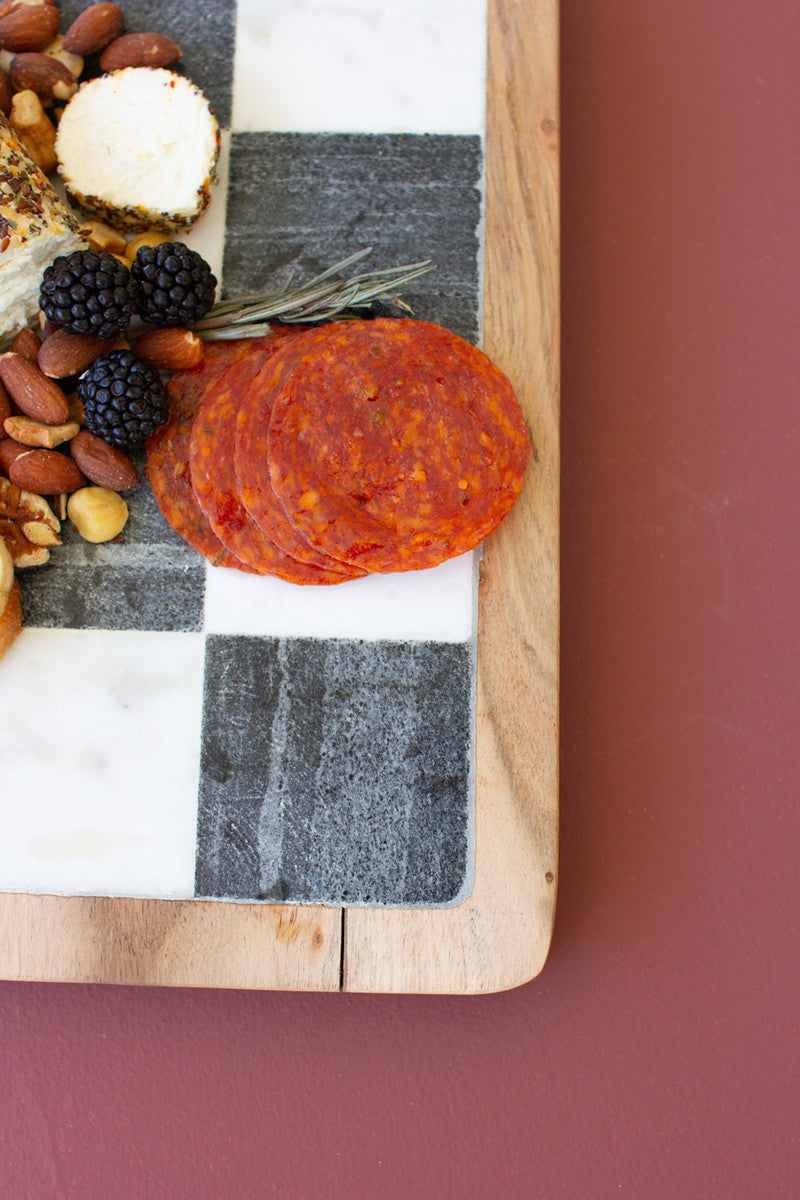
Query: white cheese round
{"points": [[139, 148]]}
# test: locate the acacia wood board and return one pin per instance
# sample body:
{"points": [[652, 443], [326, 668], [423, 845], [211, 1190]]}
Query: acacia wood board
{"points": [[499, 937]]}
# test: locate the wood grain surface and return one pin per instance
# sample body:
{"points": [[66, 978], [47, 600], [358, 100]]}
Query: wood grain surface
{"points": [[500, 936], [186, 943]]}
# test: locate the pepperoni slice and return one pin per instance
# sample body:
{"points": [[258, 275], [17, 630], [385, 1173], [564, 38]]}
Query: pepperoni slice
{"points": [[251, 463], [394, 444], [213, 478], [167, 466]]}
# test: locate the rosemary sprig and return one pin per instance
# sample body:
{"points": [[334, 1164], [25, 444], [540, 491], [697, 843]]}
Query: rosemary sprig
{"points": [[322, 298]]}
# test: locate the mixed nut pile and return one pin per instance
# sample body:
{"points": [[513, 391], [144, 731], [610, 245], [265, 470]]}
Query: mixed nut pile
{"points": [[84, 386]]}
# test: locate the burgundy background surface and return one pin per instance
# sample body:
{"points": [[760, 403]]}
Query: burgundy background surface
{"points": [[656, 1055]]}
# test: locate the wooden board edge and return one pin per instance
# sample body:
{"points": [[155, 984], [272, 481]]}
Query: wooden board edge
{"points": [[174, 943], [500, 936]]}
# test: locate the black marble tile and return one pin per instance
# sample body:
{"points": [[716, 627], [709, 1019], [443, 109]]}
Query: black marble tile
{"points": [[309, 200], [151, 580], [205, 33], [335, 771]]}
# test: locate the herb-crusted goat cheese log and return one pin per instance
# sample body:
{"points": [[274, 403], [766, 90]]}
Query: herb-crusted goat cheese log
{"points": [[35, 227], [138, 148]]}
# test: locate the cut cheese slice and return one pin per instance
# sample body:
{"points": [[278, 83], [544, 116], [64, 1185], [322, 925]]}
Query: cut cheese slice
{"points": [[139, 149], [35, 227]]}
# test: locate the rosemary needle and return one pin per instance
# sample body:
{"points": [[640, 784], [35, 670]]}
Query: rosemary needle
{"points": [[325, 296]]}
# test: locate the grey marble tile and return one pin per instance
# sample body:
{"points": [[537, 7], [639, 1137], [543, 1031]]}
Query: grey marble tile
{"points": [[150, 581], [204, 32], [308, 200], [335, 771]]}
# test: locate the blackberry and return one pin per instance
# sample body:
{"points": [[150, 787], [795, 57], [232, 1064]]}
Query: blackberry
{"points": [[87, 292], [124, 400], [172, 285]]}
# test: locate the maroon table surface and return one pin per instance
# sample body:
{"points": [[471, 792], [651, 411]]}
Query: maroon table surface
{"points": [[656, 1055]]}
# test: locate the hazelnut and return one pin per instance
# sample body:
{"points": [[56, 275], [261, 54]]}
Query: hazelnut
{"points": [[97, 513]]}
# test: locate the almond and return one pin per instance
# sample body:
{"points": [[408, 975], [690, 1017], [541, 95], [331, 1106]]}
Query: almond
{"points": [[105, 465], [63, 353], [46, 76], [45, 472], [5, 404], [7, 6], [34, 433], [139, 50], [9, 450], [6, 94], [171, 349], [27, 343], [94, 28], [29, 28], [31, 390]]}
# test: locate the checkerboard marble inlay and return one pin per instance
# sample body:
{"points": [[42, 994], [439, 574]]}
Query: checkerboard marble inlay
{"points": [[171, 729]]}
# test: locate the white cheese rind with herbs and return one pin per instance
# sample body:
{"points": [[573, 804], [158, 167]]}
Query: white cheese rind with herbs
{"points": [[35, 227], [139, 148]]}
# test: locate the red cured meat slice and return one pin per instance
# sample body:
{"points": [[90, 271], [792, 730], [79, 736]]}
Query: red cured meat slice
{"points": [[396, 445], [251, 463], [213, 478], [167, 466]]}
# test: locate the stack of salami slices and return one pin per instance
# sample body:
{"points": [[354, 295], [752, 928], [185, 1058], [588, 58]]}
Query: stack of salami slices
{"points": [[321, 455]]}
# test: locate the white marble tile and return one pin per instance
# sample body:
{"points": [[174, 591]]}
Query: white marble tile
{"points": [[99, 759], [434, 605], [207, 237], [360, 66]]}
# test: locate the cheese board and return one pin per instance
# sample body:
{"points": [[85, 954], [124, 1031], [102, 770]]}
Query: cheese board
{"points": [[348, 787]]}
